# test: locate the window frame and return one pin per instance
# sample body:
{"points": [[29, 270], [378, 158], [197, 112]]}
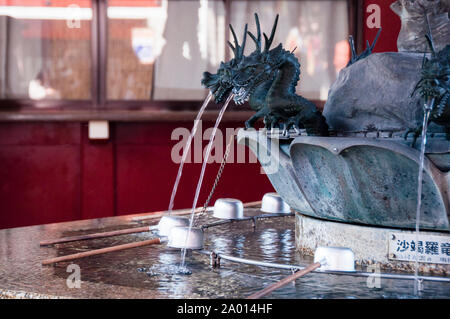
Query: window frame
{"points": [[100, 108]]}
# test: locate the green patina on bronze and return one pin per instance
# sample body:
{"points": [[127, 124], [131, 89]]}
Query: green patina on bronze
{"points": [[435, 84], [267, 79]]}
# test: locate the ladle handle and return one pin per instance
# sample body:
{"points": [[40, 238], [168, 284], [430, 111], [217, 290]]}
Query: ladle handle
{"points": [[250, 204], [284, 281], [102, 251], [95, 235]]}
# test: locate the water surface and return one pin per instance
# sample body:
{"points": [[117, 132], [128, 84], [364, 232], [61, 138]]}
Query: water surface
{"points": [[273, 240]]}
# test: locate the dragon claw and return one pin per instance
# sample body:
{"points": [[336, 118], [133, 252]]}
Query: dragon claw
{"points": [[285, 128], [416, 133], [248, 124]]}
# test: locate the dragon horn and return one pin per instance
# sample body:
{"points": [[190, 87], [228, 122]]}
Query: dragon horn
{"points": [[352, 48], [429, 37], [235, 48], [257, 40], [423, 60], [421, 80], [234, 36], [269, 41], [241, 48], [375, 40], [416, 87], [430, 43], [238, 50], [232, 47]]}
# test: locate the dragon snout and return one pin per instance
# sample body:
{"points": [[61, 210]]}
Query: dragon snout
{"points": [[209, 79]]}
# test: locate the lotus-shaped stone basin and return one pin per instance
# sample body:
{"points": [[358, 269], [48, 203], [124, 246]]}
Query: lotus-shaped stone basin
{"points": [[358, 180]]}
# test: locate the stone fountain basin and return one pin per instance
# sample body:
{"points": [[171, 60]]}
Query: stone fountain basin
{"points": [[358, 180]]}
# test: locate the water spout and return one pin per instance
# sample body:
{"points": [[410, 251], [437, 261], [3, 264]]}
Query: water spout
{"points": [[428, 107], [186, 150], [202, 173]]}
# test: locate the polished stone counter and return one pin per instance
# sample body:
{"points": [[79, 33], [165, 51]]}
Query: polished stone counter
{"points": [[23, 276], [153, 272]]}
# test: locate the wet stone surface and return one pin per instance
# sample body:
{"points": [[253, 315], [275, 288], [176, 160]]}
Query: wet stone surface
{"points": [[153, 271]]}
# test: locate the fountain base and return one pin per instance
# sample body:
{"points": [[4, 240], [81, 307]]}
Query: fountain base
{"points": [[369, 180], [372, 246]]}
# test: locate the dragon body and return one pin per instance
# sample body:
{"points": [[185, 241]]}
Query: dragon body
{"points": [[279, 71]]}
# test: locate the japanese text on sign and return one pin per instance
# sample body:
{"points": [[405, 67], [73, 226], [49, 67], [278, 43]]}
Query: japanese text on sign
{"points": [[424, 248]]}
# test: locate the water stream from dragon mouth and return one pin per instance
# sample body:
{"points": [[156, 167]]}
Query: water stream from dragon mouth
{"points": [[202, 173], [186, 150], [427, 111]]}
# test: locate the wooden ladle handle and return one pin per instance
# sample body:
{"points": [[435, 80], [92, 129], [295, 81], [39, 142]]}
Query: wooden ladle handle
{"points": [[95, 235], [154, 241]]}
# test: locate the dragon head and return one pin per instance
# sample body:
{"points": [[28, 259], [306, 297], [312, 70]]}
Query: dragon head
{"points": [[221, 83], [435, 79], [258, 67]]}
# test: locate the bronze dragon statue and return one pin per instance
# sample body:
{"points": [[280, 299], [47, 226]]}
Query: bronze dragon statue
{"points": [[434, 87], [267, 79]]}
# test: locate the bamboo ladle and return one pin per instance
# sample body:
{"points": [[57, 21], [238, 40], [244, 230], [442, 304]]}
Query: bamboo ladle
{"points": [[284, 281], [154, 241], [128, 230], [95, 235]]}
